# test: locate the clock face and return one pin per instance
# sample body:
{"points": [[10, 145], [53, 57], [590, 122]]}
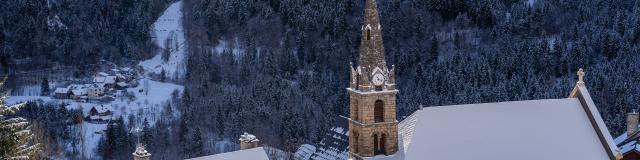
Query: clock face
{"points": [[378, 79]]}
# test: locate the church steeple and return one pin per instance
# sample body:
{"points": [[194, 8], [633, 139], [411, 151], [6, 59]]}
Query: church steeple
{"points": [[372, 73], [371, 46], [373, 125]]}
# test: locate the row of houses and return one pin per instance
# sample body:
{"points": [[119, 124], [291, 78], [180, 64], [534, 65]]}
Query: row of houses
{"points": [[100, 85]]}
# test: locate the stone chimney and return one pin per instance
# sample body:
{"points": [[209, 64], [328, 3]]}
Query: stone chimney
{"points": [[632, 123], [141, 153], [248, 141]]}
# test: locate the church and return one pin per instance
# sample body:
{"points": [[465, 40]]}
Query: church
{"points": [[550, 129], [566, 128]]}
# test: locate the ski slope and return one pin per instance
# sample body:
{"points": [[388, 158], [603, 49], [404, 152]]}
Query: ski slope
{"points": [[168, 28]]}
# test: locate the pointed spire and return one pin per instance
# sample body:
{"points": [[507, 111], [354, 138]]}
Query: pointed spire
{"points": [[371, 46], [371, 15]]}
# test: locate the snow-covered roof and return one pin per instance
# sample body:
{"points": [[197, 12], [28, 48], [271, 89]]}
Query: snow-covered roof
{"points": [[110, 80], [98, 85], [122, 84], [103, 74], [62, 90], [525, 130], [141, 151], [79, 92], [99, 79], [626, 144], [334, 144], [405, 130], [248, 154], [101, 109], [246, 137]]}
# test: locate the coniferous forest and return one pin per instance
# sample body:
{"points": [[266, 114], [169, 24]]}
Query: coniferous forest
{"points": [[291, 79], [284, 68]]}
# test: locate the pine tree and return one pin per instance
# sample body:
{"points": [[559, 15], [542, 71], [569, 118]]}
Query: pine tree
{"points": [[163, 75], [147, 136], [45, 87], [16, 136], [197, 149], [434, 49]]}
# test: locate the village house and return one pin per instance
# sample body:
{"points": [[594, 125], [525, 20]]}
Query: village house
{"points": [[627, 142], [249, 150], [99, 114], [62, 93]]}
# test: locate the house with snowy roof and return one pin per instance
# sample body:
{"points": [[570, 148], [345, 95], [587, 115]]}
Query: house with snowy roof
{"points": [[99, 114], [333, 145], [627, 142], [99, 111], [249, 150], [109, 81], [103, 74], [62, 93], [96, 90]]}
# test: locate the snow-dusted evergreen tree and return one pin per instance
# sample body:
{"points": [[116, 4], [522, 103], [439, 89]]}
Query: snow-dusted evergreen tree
{"points": [[16, 138], [45, 86]]}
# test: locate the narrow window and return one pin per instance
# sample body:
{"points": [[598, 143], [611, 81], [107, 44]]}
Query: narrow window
{"points": [[378, 111], [355, 113], [355, 142], [368, 34], [376, 144]]}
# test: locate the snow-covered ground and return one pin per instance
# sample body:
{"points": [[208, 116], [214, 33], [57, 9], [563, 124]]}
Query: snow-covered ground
{"points": [[143, 106], [168, 27]]}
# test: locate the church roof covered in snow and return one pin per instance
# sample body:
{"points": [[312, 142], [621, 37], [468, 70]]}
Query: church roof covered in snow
{"points": [[334, 144], [257, 153], [628, 144], [569, 128]]}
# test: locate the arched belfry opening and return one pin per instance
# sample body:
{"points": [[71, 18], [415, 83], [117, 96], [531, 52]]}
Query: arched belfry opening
{"points": [[379, 143], [378, 111], [376, 144]]}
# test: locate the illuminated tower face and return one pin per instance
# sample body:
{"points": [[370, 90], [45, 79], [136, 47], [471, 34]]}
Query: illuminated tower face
{"points": [[372, 93]]}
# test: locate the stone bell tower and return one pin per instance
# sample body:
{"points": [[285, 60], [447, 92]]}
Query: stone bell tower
{"points": [[372, 94]]}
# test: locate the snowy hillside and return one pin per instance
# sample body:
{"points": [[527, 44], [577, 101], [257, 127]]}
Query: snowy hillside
{"points": [[169, 36], [143, 101]]}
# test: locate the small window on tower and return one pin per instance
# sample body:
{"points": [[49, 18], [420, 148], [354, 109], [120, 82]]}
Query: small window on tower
{"points": [[368, 34]]}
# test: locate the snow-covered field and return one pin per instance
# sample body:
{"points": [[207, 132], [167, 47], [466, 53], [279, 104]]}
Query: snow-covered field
{"points": [[150, 96], [143, 106], [168, 26]]}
